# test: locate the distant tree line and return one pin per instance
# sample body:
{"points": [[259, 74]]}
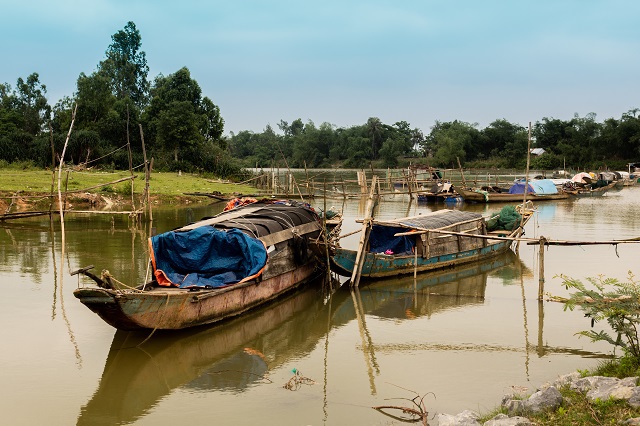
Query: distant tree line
{"points": [[579, 143], [183, 130]]}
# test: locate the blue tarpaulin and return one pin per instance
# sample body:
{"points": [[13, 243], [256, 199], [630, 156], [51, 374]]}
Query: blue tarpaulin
{"points": [[206, 257], [382, 239], [538, 186]]}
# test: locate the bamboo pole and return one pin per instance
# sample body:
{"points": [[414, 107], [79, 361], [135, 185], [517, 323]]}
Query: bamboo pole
{"points": [[541, 270], [60, 206], [464, 182], [364, 238]]}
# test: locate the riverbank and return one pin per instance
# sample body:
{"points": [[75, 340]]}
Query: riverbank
{"points": [[25, 190], [572, 399]]}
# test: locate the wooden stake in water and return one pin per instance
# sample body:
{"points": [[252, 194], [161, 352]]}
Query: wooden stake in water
{"points": [[541, 271]]}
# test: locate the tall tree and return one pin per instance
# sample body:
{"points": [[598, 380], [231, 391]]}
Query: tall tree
{"points": [[32, 104], [126, 65], [178, 117]]}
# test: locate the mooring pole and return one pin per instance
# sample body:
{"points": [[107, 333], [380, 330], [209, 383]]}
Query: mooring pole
{"points": [[541, 271]]}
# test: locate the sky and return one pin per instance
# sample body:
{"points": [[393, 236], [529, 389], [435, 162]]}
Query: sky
{"points": [[342, 62]]}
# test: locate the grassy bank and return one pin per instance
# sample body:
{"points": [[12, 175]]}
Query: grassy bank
{"points": [[41, 181], [34, 186]]}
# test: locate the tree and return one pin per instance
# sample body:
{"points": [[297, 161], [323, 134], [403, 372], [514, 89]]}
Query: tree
{"points": [[501, 135], [178, 117], [126, 65], [450, 141], [32, 104], [177, 127], [374, 130]]}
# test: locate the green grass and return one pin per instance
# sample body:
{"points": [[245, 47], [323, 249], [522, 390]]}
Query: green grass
{"points": [[34, 181]]}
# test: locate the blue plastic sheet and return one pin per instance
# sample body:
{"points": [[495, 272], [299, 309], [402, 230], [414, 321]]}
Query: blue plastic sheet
{"points": [[382, 239], [207, 257]]}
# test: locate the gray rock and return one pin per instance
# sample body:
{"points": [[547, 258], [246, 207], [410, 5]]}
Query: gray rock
{"points": [[616, 390], [547, 399], [514, 406], [566, 379], [466, 418], [585, 384], [632, 422], [634, 400], [504, 420]]}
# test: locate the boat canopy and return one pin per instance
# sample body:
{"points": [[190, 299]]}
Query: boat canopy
{"points": [[382, 239], [538, 187], [206, 257], [583, 177]]}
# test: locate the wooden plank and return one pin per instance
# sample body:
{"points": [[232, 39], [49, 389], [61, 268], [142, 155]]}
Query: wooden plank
{"points": [[364, 238], [287, 234]]}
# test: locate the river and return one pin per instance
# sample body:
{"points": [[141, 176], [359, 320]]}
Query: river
{"points": [[461, 339]]}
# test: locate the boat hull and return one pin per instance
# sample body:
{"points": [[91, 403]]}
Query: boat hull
{"points": [[378, 265], [478, 197], [172, 309]]}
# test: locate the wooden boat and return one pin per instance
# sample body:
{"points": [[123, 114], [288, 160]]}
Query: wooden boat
{"points": [[230, 356], [214, 269], [438, 193], [476, 196], [589, 190], [437, 240]]}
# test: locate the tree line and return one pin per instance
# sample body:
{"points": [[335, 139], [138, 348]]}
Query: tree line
{"points": [[578, 143], [183, 130]]}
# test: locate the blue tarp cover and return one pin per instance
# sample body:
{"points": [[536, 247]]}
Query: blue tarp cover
{"points": [[539, 187], [382, 239], [206, 257]]}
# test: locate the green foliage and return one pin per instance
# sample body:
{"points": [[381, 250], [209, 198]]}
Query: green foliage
{"points": [[125, 66], [178, 118], [618, 303], [625, 366]]}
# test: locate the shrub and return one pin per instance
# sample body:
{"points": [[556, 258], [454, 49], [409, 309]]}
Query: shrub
{"points": [[616, 302]]}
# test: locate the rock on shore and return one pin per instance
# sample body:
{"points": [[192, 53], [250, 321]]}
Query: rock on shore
{"points": [[548, 397]]}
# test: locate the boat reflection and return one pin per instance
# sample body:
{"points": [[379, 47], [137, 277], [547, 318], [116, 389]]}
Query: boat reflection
{"points": [[140, 370], [233, 356], [404, 297]]}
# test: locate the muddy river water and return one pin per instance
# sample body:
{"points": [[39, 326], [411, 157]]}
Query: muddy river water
{"points": [[461, 338]]}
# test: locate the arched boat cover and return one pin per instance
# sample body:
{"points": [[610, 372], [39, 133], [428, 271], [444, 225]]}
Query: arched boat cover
{"points": [[382, 238], [206, 257]]}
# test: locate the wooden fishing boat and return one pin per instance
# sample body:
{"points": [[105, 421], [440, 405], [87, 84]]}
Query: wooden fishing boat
{"points": [[478, 196], [214, 269], [590, 190], [536, 189], [230, 356], [440, 239]]}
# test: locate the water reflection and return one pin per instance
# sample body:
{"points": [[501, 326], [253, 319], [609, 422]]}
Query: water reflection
{"points": [[237, 355], [229, 357]]}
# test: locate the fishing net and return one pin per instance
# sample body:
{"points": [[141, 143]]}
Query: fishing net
{"points": [[507, 220]]}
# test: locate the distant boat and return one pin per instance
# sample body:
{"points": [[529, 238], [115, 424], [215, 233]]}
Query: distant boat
{"points": [[440, 239], [214, 269], [538, 190], [438, 193], [593, 190]]}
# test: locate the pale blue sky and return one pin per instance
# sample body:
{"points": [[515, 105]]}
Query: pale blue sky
{"points": [[345, 61]]}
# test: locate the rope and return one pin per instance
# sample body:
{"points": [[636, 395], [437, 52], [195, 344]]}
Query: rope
{"points": [[106, 155], [106, 274]]}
